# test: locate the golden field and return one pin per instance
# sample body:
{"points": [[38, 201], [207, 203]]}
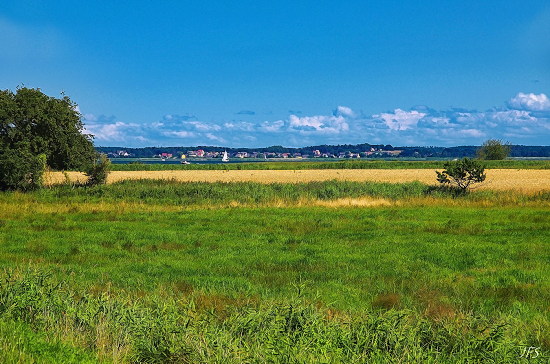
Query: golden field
{"points": [[524, 180]]}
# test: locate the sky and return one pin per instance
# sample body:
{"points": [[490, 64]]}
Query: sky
{"points": [[292, 73]]}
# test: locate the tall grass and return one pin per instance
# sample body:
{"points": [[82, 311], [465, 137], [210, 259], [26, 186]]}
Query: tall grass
{"points": [[169, 192], [167, 329]]}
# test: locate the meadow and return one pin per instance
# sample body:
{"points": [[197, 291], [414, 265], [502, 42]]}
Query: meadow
{"points": [[325, 271], [306, 164]]}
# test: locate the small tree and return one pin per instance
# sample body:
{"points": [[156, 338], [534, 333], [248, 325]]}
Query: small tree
{"points": [[461, 173], [97, 173], [494, 149]]}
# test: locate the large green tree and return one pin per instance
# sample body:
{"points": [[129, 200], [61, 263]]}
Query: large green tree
{"points": [[45, 125], [35, 126]]}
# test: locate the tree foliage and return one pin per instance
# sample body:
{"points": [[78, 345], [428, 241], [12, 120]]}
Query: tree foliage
{"points": [[46, 125], [33, 124], [462, 173], [20, 170], [494, 149]]}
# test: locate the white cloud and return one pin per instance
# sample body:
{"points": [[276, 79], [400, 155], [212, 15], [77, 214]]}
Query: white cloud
{"points": [[240, 126], [200, 126], [179, 134], [89, 117], [113, 132], [530, 102], [435, 122], [523, 121], [472, 133], [318, 124], [511, 117], [343, 111], [215, 138], [495, 118], [400, 119], [272, 127]]}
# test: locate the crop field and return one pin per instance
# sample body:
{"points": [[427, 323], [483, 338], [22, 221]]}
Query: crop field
{"points": [[529, 180], [329, 271]]}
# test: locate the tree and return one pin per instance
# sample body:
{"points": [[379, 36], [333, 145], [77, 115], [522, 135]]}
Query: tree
{"points": [[494, 149], [462, 173], [32, 124], [46, 125]]}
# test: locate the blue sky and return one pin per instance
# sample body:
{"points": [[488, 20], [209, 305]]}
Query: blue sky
{"points": [[249, 73]]}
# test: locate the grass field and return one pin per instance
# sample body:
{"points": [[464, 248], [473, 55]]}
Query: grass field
{"points": [[531, 180], [344, 164], [334, 271]]}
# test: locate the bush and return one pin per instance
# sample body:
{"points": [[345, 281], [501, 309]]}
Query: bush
{"points": [[20, 170], [494, 149], [461, 173], [97, 173]]}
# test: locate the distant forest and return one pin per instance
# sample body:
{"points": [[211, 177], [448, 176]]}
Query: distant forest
{"points": [[407, 152]]}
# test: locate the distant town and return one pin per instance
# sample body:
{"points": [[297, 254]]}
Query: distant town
{"points": [[358, 151], [201, 153]]}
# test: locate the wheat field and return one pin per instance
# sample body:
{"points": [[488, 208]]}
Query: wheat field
{"points": [[497, 179]]}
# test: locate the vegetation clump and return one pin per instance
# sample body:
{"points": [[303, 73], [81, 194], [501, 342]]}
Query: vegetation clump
{"points": [[462, 173], [97, 173], [20, 170], [494, 149]]}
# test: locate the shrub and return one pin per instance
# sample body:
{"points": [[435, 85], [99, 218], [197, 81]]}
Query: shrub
{"points": [[462, 173], [494, 149], [97, 173], [20, 170]]}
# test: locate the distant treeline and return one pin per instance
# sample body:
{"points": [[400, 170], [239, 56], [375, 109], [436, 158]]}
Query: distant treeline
{"points": [[408, 152], [470, 151]]}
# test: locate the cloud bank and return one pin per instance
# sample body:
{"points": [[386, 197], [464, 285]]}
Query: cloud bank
{"points": [[530, 102], [524, 120]]}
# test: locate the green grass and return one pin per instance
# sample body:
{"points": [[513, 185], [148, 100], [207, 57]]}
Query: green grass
{"points": [[347, 164], [189, 194], [19, 343], [204, 194], [435, 278]]}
